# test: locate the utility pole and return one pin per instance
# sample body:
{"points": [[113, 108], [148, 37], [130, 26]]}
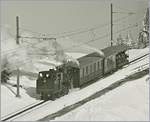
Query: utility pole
{"points": [[17, 42], [17, 30], [111, 10]]}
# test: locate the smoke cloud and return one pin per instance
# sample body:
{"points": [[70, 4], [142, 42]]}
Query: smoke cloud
{"points": [[62, 56]]}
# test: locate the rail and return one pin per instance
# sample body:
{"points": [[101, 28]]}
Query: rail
{"points": [[7, 117], [35, 105]]}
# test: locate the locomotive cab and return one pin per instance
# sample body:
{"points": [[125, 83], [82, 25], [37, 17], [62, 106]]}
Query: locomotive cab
{"points": [[49, 84]]}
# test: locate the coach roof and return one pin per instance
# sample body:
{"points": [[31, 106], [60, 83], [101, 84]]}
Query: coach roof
{"points": [[114, 49], [90, 58]]}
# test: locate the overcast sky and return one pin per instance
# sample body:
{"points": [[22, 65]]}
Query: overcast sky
{"points": [[61, 16]]}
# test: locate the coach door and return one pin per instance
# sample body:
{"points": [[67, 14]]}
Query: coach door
{"points": [[73, 77], [58, 81]]}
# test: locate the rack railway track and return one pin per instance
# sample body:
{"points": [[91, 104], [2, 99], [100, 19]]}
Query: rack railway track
{"points": [[7, 117]]}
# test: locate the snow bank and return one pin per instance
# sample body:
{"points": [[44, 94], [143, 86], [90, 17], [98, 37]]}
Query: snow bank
{"points": [[129, 102], [31, 61], [10, 104], [74, 97], [135, 53]]}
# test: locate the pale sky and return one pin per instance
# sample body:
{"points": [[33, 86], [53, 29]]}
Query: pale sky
{"points": [[60, 16]]}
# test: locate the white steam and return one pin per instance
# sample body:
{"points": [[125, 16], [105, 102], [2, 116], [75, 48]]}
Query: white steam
{"points": [[70, 45], [30, 51], [12, 55], [61, 56], [93, 49]]}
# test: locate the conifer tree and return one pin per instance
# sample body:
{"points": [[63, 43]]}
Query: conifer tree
{"points": [[143, 38], [120, 40]]}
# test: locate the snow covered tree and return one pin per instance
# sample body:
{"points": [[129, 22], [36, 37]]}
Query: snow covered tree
{"points": [[5, 74], [146, 20], [143, 39], [120, 40], [129, 40]]}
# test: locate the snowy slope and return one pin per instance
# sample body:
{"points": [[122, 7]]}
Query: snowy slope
{"points": [[134, 53], [11, 104], [129, 102], [38, 63], [78, 95]]}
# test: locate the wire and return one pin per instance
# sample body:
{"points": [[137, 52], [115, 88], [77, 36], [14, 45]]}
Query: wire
{"points": [[31, 31], [104, 36], [75, 32], [33, 45], [127, 10], [101, 37]]}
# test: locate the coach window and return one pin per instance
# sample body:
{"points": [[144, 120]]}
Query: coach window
{"points": [[94, 67], [98, 65], [86, 70], [83, 72], [90, 68]]}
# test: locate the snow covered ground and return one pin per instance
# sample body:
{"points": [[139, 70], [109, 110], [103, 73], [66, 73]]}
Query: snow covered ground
{"points": [[10, 103], [77, 95], [130, 102], [134, 53], [28, 83]]}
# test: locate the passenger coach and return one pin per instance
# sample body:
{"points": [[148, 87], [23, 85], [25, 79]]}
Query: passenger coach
{"points": [[57, 82]]}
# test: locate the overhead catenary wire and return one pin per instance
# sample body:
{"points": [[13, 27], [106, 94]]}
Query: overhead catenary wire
{"points": [[39, 40], [125, 10], [92, 29], [48, 37], [101, 37], [75, 32], [68, 35], [14, 51], [104, 36]]}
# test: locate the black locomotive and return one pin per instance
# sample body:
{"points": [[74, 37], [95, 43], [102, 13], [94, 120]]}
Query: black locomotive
{"points": [[57, 82]]}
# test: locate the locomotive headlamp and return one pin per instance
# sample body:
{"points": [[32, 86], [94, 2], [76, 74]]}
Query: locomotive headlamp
{"points": [[41, 75], [47, 75]]}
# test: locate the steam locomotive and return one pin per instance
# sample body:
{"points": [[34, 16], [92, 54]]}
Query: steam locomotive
{"points": [[55, 83]]}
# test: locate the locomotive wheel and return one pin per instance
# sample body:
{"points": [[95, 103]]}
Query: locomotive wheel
{"points": [[59, 94], [66, 91], [41, 97], [62, 93], [44, 96], [53, 96]]}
